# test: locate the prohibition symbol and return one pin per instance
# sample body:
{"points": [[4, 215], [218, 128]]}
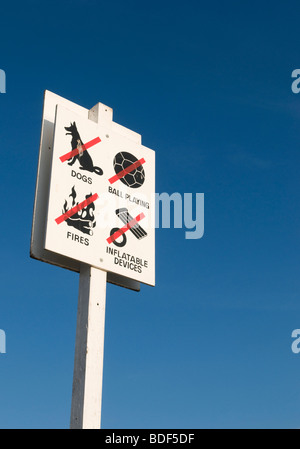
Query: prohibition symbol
{"points": [[130, 223], [69, 213], [129, 170]]}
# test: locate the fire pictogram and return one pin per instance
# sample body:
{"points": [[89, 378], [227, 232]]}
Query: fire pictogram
{"points": [[80, 215]]}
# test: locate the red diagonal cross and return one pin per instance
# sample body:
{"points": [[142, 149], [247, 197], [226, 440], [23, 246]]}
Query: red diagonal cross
{"points": [[77, 208], [127, 170], [76, 151], [125, 228]]}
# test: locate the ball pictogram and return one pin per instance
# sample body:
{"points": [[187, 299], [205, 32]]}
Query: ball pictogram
{"points": [[136, 177]]}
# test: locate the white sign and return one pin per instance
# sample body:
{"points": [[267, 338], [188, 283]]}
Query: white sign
{"points": [[101, 208]]}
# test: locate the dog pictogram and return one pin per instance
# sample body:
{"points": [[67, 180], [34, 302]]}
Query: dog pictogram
{"points": [[83, 157]]}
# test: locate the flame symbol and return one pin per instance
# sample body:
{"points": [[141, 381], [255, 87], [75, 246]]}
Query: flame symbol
{"points": [[84, 219], [73, 195]]}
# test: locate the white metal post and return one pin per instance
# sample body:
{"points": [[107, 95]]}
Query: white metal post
{"points": [[89, 350]]}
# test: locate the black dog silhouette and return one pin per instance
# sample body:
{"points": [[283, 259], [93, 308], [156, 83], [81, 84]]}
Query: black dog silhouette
{"points": [[83, 157]]}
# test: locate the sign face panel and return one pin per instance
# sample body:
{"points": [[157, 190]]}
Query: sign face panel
{"points": [[101, 208]]}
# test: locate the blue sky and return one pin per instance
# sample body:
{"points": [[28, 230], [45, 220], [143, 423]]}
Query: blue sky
{"points": [[208, 85]]}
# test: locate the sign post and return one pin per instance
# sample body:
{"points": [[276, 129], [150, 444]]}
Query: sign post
{"points": [[94, 213], [89, 350]]}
